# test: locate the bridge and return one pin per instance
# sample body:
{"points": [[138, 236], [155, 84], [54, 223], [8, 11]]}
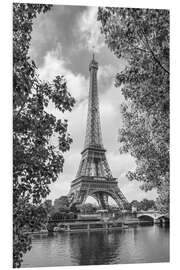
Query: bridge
{"points": [[153, 215]]}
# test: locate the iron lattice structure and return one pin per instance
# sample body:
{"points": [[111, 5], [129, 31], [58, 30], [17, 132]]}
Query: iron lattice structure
{"points": [[94, 177]]}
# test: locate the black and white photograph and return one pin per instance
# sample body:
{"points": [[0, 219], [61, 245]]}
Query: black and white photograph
{"points": [[91, 177]]}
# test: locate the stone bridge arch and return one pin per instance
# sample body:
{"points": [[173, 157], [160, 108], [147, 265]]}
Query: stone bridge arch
{"points": [[154, 215], [146, 217], [162, 217]]}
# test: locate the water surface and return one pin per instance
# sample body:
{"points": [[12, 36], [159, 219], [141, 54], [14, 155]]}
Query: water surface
{"points": [[141, 244]]}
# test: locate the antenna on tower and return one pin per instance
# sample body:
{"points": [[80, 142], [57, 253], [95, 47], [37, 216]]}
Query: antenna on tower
{"points": [[93, 52]]}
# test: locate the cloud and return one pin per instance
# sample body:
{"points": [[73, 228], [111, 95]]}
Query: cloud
{"points": [[120, 164], [105, 76], [55, 64], [133, 192], [56, 25], [89, 27]]}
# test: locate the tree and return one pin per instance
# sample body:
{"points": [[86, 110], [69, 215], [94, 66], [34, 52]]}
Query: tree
{"points": [[128, 206], [144, 205], [162, 202], [75, 208], [64, 201], [141, 37], [135, 204], [48, 206], [88, 208], [61, 203], [147, 204], [36, 161]]}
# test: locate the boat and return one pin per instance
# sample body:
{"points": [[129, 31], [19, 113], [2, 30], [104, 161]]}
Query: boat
{"points": [[89, 226]]}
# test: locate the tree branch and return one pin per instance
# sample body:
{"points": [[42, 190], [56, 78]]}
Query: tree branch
{"points": [[137, 48], [18, 113], [148, 45], [155, 58]]}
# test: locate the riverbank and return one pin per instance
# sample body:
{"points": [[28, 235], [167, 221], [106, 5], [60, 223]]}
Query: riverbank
{"points": [[83, 226]]}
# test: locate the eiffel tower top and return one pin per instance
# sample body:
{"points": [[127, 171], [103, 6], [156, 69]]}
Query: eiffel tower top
{"points": [[93, 138], [93, 63]]}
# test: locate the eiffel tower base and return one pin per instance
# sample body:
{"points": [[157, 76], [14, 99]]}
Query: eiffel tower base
{"points": [[98, 188]]}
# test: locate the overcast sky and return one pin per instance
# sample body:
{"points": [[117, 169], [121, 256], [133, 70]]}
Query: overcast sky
{"points": [[62, 43]]}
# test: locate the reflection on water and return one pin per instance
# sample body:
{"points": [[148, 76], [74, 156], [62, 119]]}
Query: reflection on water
{"points": [[133, 245]]}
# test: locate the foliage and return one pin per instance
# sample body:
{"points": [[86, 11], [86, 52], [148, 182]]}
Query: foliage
{"points": [[147, 204], [88, 208], [75, 208], [36, 161], [128, 206], [27, 218], [143, 205], [162, 202], [47, 205], [61, 204], [141, 37], [64, 200]]}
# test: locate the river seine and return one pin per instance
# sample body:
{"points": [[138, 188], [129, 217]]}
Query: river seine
{"points": [[141, 244]]}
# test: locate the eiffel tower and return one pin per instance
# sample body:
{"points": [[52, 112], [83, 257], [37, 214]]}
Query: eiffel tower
{"points": [[94, 177]]}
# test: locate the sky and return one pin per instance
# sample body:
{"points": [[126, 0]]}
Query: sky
{"points": [[63, 41]]}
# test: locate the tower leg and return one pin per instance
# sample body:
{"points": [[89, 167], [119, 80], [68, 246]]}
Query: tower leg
{"points": [[105, 197], [78, 197], [118, 199], [101, 200]]}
